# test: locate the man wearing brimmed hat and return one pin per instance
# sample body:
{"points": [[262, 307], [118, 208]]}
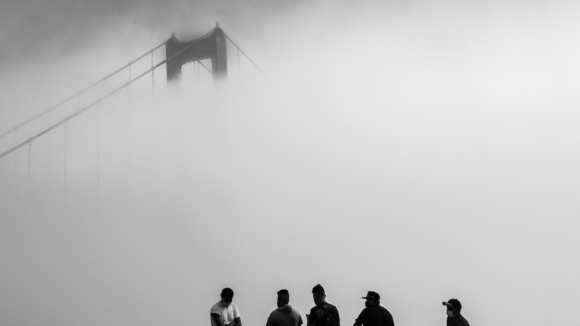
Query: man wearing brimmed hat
{"points": [[454, 317], [224, 312], [285, 315], [374, 314], [323, 314]]}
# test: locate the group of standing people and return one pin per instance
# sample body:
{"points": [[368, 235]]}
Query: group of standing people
{"points": [[225, 313]]}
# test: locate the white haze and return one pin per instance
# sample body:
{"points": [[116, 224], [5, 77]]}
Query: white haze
{"points": [[421, 150]]}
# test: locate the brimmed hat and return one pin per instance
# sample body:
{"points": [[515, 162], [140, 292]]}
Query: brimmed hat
{"points": [[372, 295]]}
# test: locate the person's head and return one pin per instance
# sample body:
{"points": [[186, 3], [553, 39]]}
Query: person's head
{"points": [[318, 294], [372, 299], [283, 298], [453, 307], [227, 295]]}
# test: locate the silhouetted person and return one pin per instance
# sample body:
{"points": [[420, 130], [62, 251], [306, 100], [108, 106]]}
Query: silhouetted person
{"points": [[224, 312], [323, 314], [374, 314], [454, 317], [285, 315]]}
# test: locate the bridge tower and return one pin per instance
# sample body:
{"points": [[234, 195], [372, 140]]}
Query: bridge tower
{"points": [[211, 46]]}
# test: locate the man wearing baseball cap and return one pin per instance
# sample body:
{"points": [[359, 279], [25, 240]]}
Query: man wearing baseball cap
{"points": [[454, 317], [224, 312], [374, 314]]}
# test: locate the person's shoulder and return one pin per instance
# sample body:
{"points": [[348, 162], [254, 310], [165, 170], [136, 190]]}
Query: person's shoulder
{"points": [[272, 318], [364, 312], [295, 312], [330, 305], [386, 311], [330, 308], [383, 308], [216, 307]]}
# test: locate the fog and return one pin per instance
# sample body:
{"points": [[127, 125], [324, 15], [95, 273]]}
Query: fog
{"points": [[422, 150]]}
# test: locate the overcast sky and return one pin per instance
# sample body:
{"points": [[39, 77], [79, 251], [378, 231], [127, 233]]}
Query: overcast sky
{"points": [[425, 150]]}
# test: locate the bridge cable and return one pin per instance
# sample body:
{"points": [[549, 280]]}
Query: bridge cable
{"points": [[100, 99], [98, 145], [199, 74], [239, 49], [206, 68], [152, 74], [48, 145], [127, 89], [15, 158], [29, 162], [81, 91], [65, 152]]}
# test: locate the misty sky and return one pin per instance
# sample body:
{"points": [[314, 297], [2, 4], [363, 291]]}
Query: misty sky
{"points": [[422, 149]]}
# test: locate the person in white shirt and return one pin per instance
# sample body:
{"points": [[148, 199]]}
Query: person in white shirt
{"points": [[224, 312]]}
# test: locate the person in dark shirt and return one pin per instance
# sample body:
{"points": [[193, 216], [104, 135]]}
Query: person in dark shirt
{"points": [[454, 317], [374, 314], [323, 314]]}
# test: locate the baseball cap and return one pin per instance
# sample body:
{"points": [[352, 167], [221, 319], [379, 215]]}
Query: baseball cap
{"points": [[453, 304]]}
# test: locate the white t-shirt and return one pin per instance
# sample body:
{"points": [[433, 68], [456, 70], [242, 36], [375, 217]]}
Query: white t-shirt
{"points": [[228, 314]]}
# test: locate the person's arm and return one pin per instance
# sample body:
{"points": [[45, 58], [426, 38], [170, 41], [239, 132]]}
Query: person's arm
{"points": [[269, 322], [237, 320], [309, 322], [217, 318], [361, 319]]}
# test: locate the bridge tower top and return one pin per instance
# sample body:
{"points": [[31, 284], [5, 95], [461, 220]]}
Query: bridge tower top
{"points": [[210, 46]]}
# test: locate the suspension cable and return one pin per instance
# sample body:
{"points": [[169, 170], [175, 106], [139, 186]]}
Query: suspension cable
{"points": [[239, 49], [206, 68], [65, 154], [98, 145], [29, 161], [81, 91], [29, 140], [152, 74]]}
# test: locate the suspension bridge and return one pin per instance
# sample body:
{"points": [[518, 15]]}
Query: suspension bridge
{"points": [[212, 46]]}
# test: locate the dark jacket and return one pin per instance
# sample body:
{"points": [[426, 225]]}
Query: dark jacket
{"points": [[375, 315], [457, 320]]}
